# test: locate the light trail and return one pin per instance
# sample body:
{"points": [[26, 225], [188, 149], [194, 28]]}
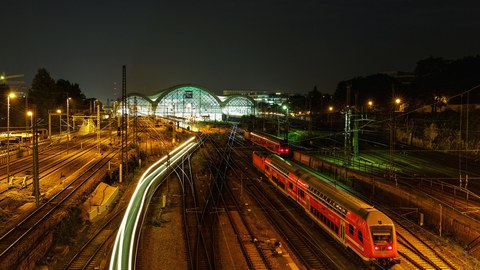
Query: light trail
{"points": [[124, 250]]}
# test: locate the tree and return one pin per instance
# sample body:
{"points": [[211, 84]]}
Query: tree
{"points": [[43, 93], [66, 90]]}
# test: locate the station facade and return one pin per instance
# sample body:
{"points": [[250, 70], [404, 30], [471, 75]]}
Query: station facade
{"points": [[189, 102]]}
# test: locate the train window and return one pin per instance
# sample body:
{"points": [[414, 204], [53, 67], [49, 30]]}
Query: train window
{"points": [[336, 229], [302, 194], [290, 185], [360, 236], [350, 229], [381, 234]]}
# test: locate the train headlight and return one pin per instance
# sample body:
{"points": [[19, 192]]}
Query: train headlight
{"points": [[377, 248], [389, 247]]}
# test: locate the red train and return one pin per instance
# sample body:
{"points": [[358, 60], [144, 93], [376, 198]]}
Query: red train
{"points": [[352, 222], [268, 141]]}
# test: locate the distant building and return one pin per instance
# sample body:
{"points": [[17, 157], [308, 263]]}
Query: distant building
{"points": [[189, 102]]}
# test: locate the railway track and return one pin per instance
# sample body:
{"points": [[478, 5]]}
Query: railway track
{"points": [[304, 245], [410, 246], [36, 224], [50, 164], [314, 247], [253, 253], [198, 240], [91, 253], [417, 251]]}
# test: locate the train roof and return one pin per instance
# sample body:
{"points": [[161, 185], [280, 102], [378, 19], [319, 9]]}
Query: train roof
{"points": [[267, 136], [343, 199]]}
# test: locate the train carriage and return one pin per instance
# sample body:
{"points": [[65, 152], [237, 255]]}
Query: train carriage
{"points": [[271, 143], [352, 222]]}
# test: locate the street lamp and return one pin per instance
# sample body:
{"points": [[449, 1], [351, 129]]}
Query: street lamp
{"points": [[60, 116], [285, 107], [30, 113], [11, 95], [397, 102], [330, 110], [68, 118], [68, 121]]}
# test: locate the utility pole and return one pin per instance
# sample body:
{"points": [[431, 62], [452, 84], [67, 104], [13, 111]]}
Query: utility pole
{"points": [[355, 129], [310, 120], [98, 126], [36, 181], [124, 119], [135, 119], [348, 127], [68, 122]]}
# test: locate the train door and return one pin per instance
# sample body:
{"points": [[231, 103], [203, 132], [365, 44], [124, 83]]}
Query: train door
{"points": [[342, 230]]}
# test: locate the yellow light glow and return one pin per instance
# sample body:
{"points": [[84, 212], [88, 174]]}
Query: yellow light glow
{"points": [[11, 95], [59, 111], [330, 108], [398, 101], [29, 113]]}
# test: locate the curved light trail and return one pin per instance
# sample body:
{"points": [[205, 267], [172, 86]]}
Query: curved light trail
{"points": [[124, 250]]}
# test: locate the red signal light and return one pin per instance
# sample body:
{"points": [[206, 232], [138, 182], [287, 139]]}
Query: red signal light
{"points": [[389, 247]]}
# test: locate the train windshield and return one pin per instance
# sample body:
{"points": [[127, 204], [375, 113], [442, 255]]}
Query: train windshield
{"points": [[381, 235]]}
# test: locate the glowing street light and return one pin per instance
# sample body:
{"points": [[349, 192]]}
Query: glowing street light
{"points": [[60, 114], [11, 95], [30, 113]]}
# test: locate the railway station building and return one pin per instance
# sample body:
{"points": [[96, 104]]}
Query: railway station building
{"points": [[189, 102]]}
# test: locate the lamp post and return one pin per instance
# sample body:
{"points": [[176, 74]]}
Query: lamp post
{"points": [[369, 107], [68, 121], [97, 103], [30, 113], [285, 107], [11, 95], [330, 110], [396, 107], [60, 115]]}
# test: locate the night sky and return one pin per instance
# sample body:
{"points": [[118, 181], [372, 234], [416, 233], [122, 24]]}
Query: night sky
{"points": [[269, 45]]}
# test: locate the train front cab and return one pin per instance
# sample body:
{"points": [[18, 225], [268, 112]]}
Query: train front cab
{"points": [[383, 239]]}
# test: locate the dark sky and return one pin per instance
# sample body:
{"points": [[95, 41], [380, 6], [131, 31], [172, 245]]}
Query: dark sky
{"points": [[271, 45]]}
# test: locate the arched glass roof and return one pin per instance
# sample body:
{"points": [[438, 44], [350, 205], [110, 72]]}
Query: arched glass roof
{"points": [[188, 102]]}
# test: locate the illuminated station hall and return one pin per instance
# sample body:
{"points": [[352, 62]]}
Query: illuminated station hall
{"points": [[189, 104]]}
